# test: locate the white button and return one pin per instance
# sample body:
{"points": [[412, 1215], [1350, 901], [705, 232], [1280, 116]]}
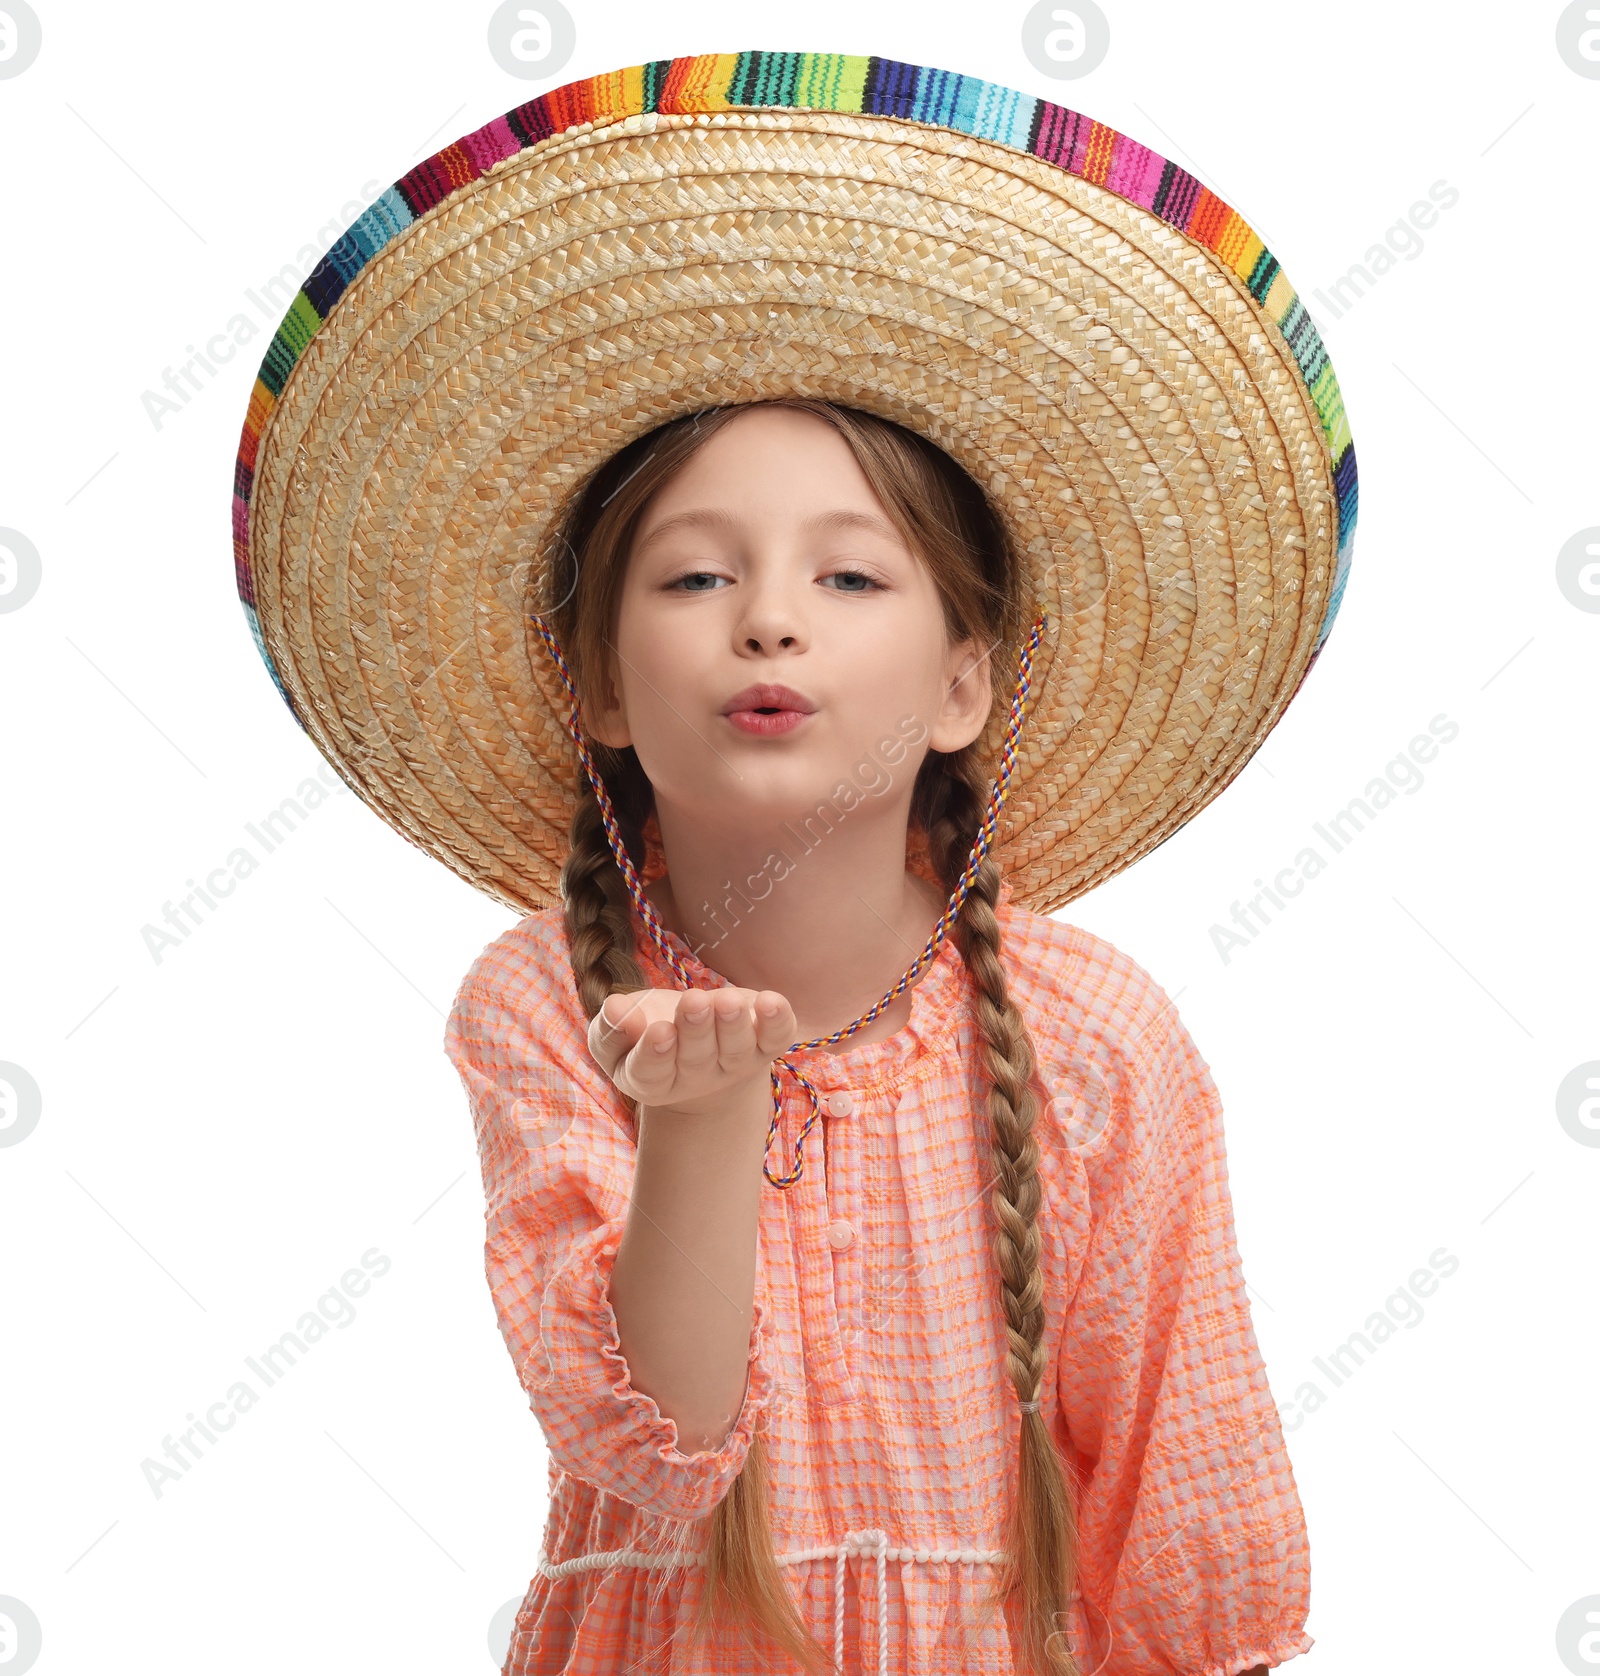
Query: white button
{"points": [[840, 1104], [840, 1235]]}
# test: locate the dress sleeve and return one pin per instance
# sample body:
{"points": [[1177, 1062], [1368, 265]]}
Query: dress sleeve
{"points": [[557, 1146], [1193, 1555]]}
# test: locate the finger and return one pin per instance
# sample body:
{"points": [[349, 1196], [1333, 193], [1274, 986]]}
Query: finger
{"points": [[607, 1041], [622, 1011], [615, 1028], [736, 1028], [775, 1024], [697, 1030], [651, 1067]]}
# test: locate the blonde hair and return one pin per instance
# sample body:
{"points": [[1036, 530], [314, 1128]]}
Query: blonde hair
{"points": [[945, 519]]}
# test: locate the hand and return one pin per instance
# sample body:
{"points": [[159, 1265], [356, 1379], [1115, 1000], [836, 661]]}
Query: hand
{"points": [[691, 1050]]}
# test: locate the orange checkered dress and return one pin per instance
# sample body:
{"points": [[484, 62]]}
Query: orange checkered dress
{"points": [[877, 1348]]}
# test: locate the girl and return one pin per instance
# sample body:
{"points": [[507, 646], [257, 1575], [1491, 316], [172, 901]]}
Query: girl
{"points": [[785, 523], [1015, 1198]]}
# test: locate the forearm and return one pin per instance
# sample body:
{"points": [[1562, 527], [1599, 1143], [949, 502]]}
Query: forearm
{"points": [[683, 1281]]}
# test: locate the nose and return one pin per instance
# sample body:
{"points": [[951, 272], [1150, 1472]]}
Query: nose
{"points": [[772, 615]]}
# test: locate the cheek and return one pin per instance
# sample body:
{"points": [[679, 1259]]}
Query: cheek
{"points": [[897, 689], [660, 656], [646, 652]]}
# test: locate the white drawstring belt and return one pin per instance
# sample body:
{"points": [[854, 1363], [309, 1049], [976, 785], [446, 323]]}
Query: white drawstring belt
{"points": [[862, 1541], [875, 1542]]}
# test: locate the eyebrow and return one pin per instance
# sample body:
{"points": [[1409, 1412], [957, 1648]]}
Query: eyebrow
{"points": [[842, 518]]}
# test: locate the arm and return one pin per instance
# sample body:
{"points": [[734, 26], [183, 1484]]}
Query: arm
{"points": [[699, 1063], [1193, 1542], [683, 1283], [558, 1154]]}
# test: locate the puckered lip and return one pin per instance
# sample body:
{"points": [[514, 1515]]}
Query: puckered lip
{"points": [[767, 697]]}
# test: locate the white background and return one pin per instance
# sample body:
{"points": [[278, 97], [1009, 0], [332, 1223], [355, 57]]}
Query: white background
{"points": [[226, 1131]]}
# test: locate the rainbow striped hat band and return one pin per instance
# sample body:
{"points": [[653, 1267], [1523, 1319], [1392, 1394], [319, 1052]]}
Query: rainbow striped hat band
{"points": [[1105, 345]]}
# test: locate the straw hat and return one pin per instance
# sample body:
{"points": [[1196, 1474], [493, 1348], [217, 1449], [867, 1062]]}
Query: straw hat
{"points": [[1105, 345]]}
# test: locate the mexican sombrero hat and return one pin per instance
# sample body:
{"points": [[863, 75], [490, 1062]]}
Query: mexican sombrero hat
{"points": [[1099, 340]]}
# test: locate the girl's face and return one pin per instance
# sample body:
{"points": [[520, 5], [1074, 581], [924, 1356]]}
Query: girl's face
{"points": [[768, 560]]}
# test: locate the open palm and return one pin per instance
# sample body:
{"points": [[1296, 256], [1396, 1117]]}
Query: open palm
{"points": [[690, 1049]]}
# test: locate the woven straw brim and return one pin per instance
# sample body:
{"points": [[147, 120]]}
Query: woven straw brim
{"points": [[1137, 418]]}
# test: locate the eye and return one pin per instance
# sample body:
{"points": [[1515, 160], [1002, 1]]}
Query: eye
{"points": [[856, 576], [695, 576]]}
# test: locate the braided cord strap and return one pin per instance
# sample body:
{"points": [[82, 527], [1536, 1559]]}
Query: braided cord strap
{"points": [[652, 918]]}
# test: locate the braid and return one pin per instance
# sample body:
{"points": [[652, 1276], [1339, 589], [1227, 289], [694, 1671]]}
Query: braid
{"points": [[595, 898], [1041, 1539]]}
